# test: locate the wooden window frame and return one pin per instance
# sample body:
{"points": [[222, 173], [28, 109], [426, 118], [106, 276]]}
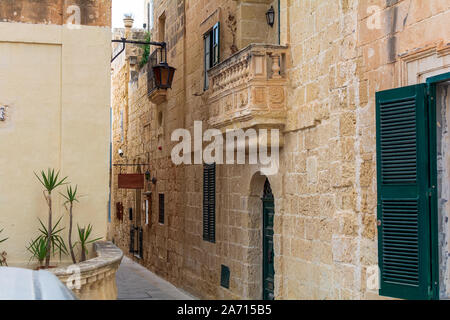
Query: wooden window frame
{"points": [[211, 52]]}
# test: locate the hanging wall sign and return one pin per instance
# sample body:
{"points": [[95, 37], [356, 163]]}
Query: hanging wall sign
{"points": [[131, 181]]}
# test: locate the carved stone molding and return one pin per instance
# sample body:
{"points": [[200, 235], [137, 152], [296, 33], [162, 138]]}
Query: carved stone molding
{"points": [[249, 89], [158, 96], [419, 64]]}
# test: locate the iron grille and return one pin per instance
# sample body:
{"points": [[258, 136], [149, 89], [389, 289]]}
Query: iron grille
{"points": [[132, 237], [137, 241]]}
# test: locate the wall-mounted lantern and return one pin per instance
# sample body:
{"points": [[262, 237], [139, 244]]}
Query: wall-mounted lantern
{"points": [[270, 16], [147, 175], [163, 75]]}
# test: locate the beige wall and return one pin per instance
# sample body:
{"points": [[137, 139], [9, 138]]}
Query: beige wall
{"points": [[55, 82]]}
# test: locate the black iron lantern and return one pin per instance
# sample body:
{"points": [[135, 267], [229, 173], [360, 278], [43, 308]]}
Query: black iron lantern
{"points": [[270, 15], [163, 74], [147, 175]]}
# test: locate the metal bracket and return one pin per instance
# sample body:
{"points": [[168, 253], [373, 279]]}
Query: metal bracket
{"points": [[124, 41]]}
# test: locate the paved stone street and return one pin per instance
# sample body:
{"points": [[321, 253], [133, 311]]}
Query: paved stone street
{"points": [[135, 282]]}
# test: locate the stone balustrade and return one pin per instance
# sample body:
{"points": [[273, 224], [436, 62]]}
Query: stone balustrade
{"points": [[94, 279], [248, 90]]}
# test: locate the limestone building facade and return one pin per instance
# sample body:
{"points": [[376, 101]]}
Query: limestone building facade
{"points": [[312, 229]]}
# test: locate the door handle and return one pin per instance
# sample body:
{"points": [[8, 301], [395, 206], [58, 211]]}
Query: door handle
{"points": [[270, 257]]}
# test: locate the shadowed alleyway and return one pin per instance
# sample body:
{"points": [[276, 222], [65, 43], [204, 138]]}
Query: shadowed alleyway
{"points": [[134, 282]]}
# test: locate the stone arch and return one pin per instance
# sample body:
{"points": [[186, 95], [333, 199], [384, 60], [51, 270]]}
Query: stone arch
{"points": [[254, 229]]}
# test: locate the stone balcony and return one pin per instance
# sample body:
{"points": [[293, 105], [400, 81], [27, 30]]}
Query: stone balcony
{"points": [[248, 90]]}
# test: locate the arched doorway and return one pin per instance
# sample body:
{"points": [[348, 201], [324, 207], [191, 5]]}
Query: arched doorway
{"points": [[268, 252]]}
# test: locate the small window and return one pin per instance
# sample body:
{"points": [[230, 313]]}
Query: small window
{"points": [[162, 28], [161, 208], [212, 50], [209, 202], [160, 119]]}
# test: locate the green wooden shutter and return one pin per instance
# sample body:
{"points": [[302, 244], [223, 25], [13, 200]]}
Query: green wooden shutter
{"points": [[205, 203], [209, 202], [161, 208], [216, 44], [212, 202], [403, 193], [212, 51], [207, 58]]}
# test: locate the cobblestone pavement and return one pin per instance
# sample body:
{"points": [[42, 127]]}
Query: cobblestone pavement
{"points": [[134, 282]]}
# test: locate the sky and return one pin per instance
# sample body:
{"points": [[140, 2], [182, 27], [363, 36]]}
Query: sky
{"points": [[120, 7]]}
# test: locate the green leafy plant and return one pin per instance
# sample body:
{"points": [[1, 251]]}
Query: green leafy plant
{"points": [[38, 249], [71, 198], [146, 53], [84, 234], [50, 181], [57, 244], [3, 240], [3, 254]]}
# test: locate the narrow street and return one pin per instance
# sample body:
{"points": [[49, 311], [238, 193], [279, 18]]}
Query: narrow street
{"points": [[134, 282]]}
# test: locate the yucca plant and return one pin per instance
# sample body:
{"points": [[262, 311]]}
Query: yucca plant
{"points": [[84, 234], [57, 244], [3, 254], [3, 240], [50, 181], [38, 249], [71, 198]]}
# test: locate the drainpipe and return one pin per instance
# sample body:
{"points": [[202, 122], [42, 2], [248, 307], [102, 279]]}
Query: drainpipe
{"points": [[279, 22], [110, 162], [128, 23]]}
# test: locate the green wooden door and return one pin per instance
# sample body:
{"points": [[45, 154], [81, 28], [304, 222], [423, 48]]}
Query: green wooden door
{"points": [[403, 180], [268, 253]]}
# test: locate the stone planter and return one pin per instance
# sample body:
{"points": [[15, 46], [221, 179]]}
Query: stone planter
{"points": [[94, 279]]}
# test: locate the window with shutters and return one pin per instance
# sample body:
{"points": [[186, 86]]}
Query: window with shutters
{"points": [[209, 202], [161, 208], [212, 51], [406, 193]]}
